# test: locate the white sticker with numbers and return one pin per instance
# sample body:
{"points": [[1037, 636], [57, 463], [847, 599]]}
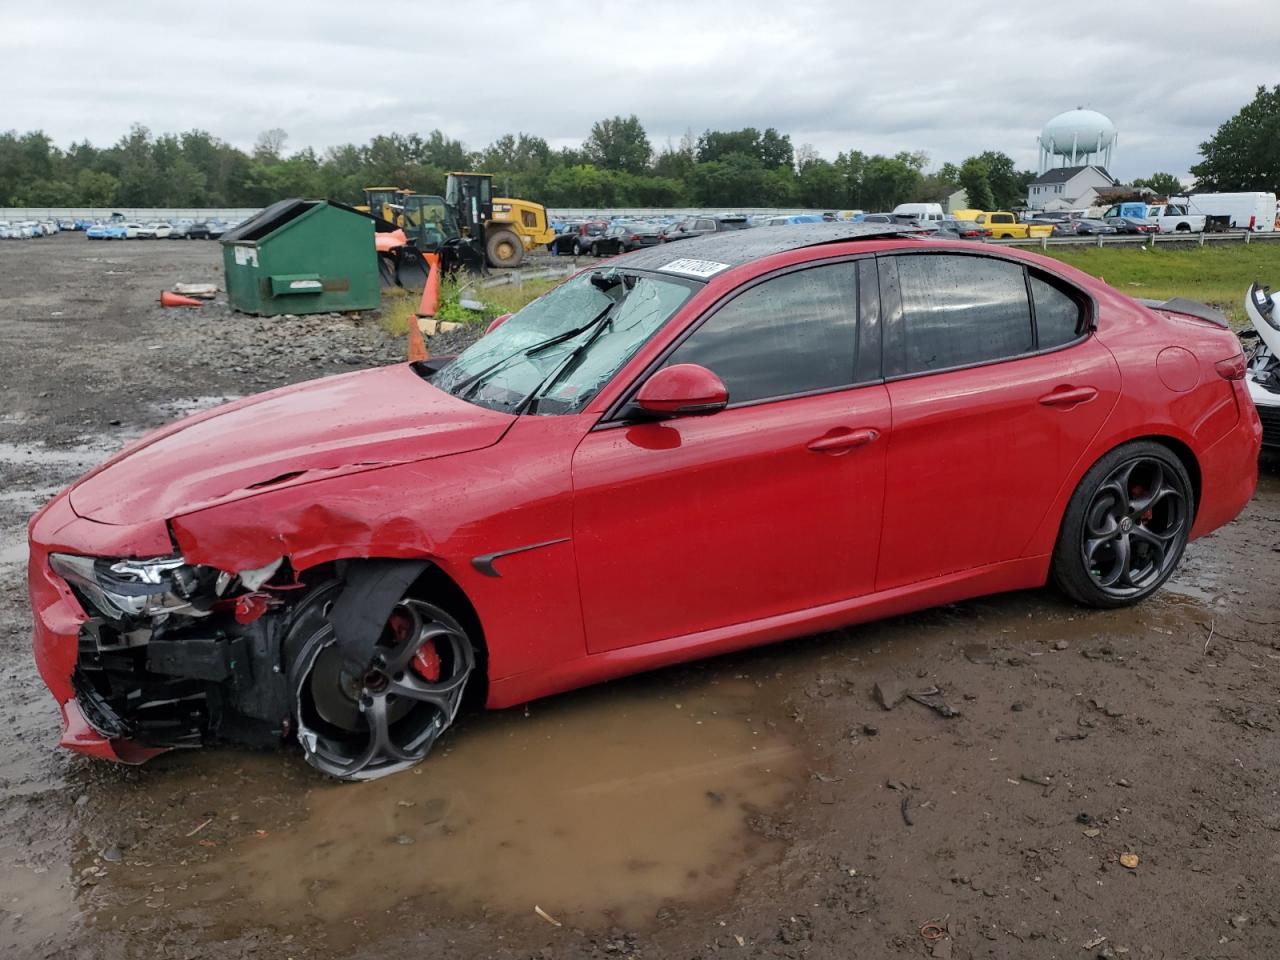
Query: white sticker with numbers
{"points": [[694, 268]]}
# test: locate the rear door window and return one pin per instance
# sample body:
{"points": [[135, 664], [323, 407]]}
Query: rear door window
{"points": [[792, 334], [960, 310]]}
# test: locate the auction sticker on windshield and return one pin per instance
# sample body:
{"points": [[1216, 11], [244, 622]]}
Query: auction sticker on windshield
{"points": [[694, 268]]}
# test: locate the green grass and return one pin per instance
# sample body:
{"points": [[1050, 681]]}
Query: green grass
{"points": [[1216, 275], [399, 305]]}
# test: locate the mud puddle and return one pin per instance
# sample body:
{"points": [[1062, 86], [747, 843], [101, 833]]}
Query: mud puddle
{"points": [[600, 808]]}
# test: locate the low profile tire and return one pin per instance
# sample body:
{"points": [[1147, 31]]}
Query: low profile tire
{"points": [[371, 726], [1125, 527]]}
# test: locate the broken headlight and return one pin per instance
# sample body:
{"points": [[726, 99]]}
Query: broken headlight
{"points": [[131, 589]]}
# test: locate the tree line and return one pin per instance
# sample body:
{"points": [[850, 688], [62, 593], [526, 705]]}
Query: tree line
{"points": [[616, 166]]}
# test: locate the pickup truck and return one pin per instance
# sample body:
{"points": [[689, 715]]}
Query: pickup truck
{"points": [[1169, 217], [1004, 226]]}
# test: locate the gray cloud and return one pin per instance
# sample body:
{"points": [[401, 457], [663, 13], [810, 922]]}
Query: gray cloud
{"points": [[949, 78]]}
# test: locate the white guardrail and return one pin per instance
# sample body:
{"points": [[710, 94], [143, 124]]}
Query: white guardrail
{"points": [[221, 214], [1147, 240]]}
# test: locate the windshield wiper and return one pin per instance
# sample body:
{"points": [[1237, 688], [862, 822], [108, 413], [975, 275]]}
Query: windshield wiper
{"points": [[604, 281], [531, 398]]}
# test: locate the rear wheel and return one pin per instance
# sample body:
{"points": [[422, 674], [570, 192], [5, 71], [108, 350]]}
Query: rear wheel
{"points": [[577, 248], [1125, 527], [386, 720], [504, 249]]}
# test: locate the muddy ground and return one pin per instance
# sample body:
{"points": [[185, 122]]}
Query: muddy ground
{"points": [[758, 805]]}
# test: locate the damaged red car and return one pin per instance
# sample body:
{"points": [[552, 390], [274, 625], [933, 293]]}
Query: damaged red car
{"points": [[685, 451]]}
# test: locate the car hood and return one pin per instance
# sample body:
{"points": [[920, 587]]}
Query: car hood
{"points": [[291, 436]]}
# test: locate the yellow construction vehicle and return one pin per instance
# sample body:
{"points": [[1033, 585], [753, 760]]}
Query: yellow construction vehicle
{"points": [[504, 228]]}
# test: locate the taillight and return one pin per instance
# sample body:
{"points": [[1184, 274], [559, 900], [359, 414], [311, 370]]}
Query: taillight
{"points": [[1232, 368], [1252, 221]]}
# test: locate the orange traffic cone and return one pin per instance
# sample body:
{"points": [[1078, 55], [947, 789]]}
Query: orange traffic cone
{"points": [[427, 308], [431, 290], [168, 299], [417, 345]]}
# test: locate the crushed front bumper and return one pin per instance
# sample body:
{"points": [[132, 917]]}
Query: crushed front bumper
{"points": [[58, 617]]}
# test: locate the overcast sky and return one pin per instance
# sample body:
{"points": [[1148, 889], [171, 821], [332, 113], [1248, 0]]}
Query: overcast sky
{"points": [[951, 78]]}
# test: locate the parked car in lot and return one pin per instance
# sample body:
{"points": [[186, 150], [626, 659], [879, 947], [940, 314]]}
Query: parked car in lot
{"points": [[635, 446], [1082, 226], [106, 231], [623, 238], [154, 231], [790, 219], [1131, 225], [216, 228], [702, 226], [960, 230], [199, 231], [562, 243], [578, 237], [670, 231]]}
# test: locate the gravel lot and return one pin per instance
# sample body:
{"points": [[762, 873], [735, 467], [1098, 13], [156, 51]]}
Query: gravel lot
{"points": [[759, 805]]}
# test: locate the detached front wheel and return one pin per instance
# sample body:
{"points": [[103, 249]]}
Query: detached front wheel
{"points": [[1125, 527], [388, 718]]}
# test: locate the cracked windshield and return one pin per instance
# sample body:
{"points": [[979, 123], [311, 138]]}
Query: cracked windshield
{"points": [[556, 353]]}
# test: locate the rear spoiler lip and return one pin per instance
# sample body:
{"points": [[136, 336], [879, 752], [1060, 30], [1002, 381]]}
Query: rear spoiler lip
{"points": [[1190, 308]]}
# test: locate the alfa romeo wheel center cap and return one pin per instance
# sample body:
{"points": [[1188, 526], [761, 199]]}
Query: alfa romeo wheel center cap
{"points": [[1126, 525]]}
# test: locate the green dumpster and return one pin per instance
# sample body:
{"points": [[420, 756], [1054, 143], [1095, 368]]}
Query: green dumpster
{"points": [[302, 256]]}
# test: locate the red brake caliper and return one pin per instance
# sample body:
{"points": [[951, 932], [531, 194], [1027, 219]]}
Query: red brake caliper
{"points": [[426, 662], [1138, 492]]}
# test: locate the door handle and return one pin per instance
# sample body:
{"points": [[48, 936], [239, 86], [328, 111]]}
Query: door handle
{"points": [[1068, 396], [837, 443]]}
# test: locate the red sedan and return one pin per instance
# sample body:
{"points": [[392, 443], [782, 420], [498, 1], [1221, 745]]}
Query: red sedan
{"points": [[754, 436]]}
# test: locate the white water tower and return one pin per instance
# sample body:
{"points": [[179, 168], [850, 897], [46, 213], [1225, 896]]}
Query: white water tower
{"points": [[1077, 138]]}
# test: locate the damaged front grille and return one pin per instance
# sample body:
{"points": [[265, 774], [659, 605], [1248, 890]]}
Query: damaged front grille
{"points": [[176, 668], [121, 697]]}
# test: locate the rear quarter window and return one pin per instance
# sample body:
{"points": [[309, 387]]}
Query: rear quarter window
{"points": [[1060, 316]]}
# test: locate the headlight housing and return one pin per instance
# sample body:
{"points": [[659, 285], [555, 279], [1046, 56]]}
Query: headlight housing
{"points": [[133, 589]]}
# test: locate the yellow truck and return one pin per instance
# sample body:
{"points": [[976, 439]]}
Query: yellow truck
{"points": [[1005, 226]]}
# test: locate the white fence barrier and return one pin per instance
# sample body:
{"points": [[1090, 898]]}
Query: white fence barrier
{"points": [[223, 214]]}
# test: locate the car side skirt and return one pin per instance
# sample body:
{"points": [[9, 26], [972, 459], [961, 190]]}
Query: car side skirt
{"points": [[1021, 574]]}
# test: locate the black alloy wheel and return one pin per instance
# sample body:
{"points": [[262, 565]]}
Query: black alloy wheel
{"points": [[388, 718], [1125, 528]]}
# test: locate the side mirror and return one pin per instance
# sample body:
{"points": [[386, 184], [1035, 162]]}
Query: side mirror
{"points": [[682, 390], [497, 322]]}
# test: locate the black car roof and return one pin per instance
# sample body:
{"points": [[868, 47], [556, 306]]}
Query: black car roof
{"points": [[736, 247]]}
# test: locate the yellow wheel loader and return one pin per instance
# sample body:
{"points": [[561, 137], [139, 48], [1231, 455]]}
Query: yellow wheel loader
{"points": [[504, 228]]}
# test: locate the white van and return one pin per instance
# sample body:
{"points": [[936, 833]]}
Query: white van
{"points": [[1237, 211], [921, 212]]}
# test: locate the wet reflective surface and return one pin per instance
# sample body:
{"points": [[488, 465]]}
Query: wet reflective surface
{"points": [[598, 807]]}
